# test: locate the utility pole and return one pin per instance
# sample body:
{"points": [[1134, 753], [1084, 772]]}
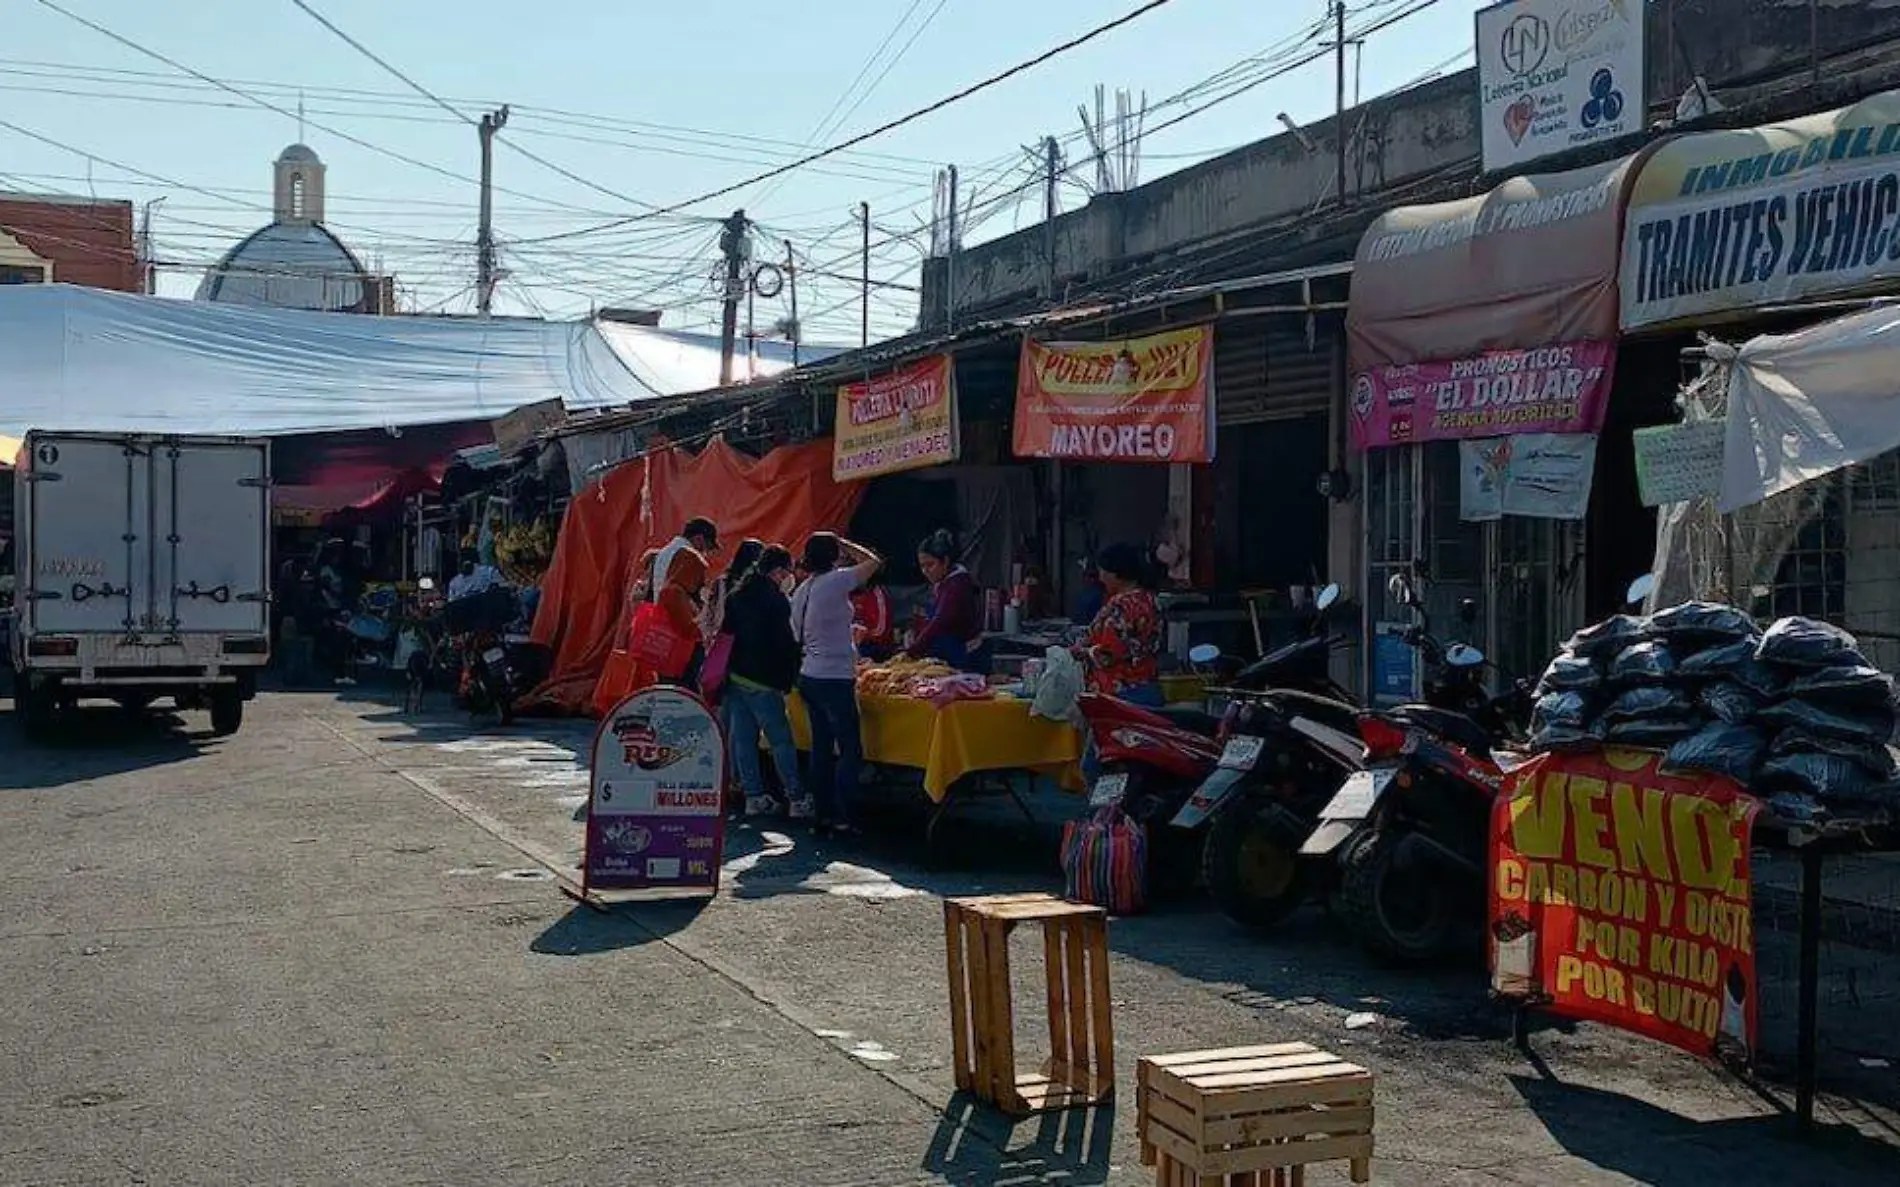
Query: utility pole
{"points": [[1339, 100], [1051, 167], [732, 243], [485, 271], [864, 267], [950, 259], [791, 282]]}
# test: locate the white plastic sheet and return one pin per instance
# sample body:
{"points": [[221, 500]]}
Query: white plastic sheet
{"points": [[1807, 404]]}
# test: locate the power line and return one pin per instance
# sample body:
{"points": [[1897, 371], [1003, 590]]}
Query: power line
{"points": [[900, 121]]}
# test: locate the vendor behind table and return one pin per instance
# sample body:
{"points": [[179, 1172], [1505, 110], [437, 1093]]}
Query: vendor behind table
{"points": [[952, 631]]}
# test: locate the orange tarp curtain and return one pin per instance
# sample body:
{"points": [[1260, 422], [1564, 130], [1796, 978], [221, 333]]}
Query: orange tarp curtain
{"points": [[781, 498]]}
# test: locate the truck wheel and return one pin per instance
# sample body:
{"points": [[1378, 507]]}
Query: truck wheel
{"points": [[227, 710], [1251, 864], [1403, 916]]}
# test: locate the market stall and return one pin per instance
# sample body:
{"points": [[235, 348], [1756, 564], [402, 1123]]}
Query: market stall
{"points": [[952, 728]]}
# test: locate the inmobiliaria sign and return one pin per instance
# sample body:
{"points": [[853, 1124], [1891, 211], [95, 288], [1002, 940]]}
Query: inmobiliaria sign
{"points": [[899, 421], [1490, 316], [1135, 400]]}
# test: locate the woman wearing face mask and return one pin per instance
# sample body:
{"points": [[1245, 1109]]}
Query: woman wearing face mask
{"points": [[762, 671], [954, 625]]}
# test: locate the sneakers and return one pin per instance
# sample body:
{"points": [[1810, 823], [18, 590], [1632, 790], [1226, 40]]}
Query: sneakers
{"points": [[803, 809], [760, 805]]}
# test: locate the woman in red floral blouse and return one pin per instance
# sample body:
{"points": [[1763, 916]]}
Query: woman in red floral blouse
{"points": [[1122, 650]]}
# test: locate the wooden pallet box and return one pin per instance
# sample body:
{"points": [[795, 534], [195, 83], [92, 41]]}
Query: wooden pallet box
{"points": [[1246, 1116]]}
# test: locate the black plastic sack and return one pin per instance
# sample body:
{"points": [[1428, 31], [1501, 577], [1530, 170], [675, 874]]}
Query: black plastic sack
{"points": [[1569, 673], [1606, 638], [1703, 623], [1805, 643], [1660, 732], [1731, 661], [1845, 687], [1729, 703], [1563, 709], [1732, 750], [1823, 776], [1861, 725], [1643, 663], [1562, 738], [1638, 703], [1873, 757]]}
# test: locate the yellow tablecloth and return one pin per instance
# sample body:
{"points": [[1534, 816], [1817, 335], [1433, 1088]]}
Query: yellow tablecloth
{"points": [[959, 739]]}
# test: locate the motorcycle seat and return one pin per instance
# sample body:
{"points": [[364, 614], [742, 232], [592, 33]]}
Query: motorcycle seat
{"points": [[1187, 717], [1453, 727]]}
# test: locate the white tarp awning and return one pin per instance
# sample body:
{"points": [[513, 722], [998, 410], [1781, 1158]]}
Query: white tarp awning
{"points": [[1806, 404], [85, 359], [677, 362]]}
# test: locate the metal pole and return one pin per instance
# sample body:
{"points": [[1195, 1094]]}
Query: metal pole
{"points": [[864, 265], [791, 282], [1810, 973], [1814, 39], [1339, 96], [485, 271], [950, 262], [1050, 152], [732, 244]]}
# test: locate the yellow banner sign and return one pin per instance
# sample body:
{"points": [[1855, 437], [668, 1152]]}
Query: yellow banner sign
{"points": [[901, 421]]}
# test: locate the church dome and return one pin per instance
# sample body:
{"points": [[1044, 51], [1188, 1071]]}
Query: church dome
{"points": [[295, 262]]}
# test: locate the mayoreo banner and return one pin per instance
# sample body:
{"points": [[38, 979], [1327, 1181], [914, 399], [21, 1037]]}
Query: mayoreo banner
{"points": [[1724, 222], [901, 421], [1620, 894], [1138, 400]]}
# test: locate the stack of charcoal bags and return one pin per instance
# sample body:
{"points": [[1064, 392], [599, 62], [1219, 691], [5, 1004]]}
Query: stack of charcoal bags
{"points": [[1795, 714]]}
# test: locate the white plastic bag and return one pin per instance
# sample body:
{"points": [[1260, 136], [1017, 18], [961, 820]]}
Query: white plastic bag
{"points": [[1058, 687]]}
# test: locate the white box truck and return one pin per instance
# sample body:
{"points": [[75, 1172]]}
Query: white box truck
{"points": [[141, 570]]}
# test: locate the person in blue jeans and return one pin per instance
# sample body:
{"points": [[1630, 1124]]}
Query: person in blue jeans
{"points": [[761, 672], [828, 673]]}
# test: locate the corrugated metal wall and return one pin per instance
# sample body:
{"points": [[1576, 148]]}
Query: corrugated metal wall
{"points": [[1265, 370]]}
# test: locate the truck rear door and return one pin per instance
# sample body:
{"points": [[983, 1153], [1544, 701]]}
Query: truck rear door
{"points": [[88, 539], [211, 554]]}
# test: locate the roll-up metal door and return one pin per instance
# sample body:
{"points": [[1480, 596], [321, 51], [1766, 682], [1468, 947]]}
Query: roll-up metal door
{"points": [[1265, 370]]}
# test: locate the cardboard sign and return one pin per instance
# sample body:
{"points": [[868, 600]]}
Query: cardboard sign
{"points": [[1535, 475], [1551, 389], [901, 421], [656, 802], [1620, 895], [1137, 400]]}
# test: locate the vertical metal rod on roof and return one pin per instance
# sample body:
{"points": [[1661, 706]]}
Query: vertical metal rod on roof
{"points": [[864, 265], [1339, 101], [950, 260], [1814, 39], [791, 282], [1051, 155]]}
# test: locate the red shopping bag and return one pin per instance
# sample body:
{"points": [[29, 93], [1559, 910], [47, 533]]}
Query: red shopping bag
{"points": [[615, 682], [1105, 862], [712, 672], [656, 644]]}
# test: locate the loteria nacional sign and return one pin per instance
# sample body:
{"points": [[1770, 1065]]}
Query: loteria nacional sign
{"points": [[1556, 75], [1135, 400], [901, 421]]}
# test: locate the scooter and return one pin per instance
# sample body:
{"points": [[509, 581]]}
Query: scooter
{"points": [[1409, 832], [1154, 761]]}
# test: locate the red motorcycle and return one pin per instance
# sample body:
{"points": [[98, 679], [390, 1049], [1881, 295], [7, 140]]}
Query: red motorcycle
{"points": [[1153, 761]]}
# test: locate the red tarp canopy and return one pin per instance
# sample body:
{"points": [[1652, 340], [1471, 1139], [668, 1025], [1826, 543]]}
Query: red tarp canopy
{"points": [[782, 497], [365, 468]]}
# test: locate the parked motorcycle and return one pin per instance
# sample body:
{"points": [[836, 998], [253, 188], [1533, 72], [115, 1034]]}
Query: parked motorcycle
{"points": [[1410, 831], [491, 680]]}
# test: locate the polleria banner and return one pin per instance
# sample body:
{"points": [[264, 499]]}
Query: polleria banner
{"points": [[901, 421], [1620, 895], [1137, 400]]}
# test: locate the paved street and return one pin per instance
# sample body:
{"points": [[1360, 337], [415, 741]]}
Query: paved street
{"points": [[329, 951]]}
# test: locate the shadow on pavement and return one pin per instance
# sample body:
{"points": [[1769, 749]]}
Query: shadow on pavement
{"points": [[773, 858], [97, 741], [973, 1145], [584, 931], [1653, 1145]]}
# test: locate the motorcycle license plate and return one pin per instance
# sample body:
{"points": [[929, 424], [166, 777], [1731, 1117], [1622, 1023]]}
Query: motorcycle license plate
{"points": [[1208, 798], [1358, 796], [1108, 789], [494, 655], [1242, 752]]}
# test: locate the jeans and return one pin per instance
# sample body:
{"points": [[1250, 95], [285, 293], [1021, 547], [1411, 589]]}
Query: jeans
{"points": [[837, 746], [750, 712], [1148, 696]]}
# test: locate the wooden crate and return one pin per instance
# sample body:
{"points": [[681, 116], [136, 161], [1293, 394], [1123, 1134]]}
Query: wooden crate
{"points": [[1252, 1116], [1080, 1069]]}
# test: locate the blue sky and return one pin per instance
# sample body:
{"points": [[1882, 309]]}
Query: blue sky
{"points": [[650, 103]]}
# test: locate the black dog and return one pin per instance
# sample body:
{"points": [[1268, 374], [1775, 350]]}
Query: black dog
{"points": [[419, 672]]}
